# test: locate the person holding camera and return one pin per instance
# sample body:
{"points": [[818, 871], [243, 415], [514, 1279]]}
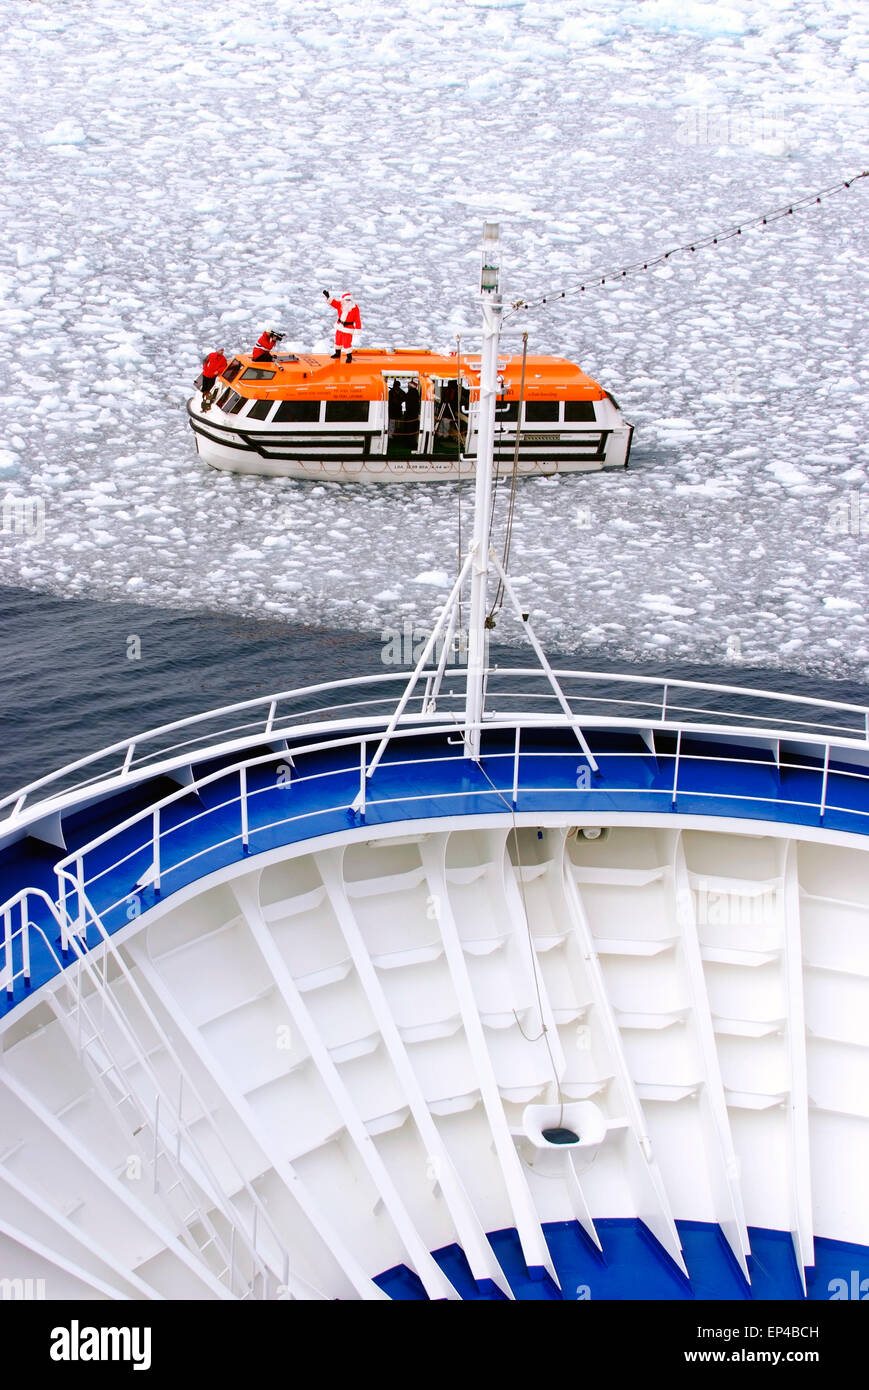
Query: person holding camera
{"points": [[268, 339], [348, 323]]}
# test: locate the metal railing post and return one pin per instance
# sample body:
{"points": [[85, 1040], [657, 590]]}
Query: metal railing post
{"points": [[64, 918], [78, 969], [81, 930], [676, 768], [824, 780], [363, 759], [242, 783], [516, 765], [7, 947], [156, 839], [25, 940], [664, 703]]}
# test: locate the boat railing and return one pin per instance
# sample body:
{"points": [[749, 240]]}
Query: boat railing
{"points": [[592, 695], [16, 940], [158, 850], [156, 834]]}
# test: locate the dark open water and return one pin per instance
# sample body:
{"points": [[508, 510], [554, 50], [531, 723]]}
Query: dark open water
{"points": [[68, 686]]}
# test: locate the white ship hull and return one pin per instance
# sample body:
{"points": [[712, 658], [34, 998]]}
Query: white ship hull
{"points": [[297, 1050]]}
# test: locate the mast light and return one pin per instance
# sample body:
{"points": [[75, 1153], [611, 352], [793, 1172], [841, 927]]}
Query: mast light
{"points": [[491, 266]]}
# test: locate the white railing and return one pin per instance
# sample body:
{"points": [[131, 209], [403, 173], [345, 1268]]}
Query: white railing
{"points": [[593, 697], [19, 936], [158, 838], [500, 779]]}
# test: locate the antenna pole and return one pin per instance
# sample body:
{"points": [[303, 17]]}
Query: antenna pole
{"points": [[480, 558], [492, 307]]}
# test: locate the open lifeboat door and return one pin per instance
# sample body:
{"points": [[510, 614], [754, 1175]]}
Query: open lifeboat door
{"points": [[449, 416], [405, 408]]}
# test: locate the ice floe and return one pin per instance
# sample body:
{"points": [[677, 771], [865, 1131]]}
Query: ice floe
{"points": [[170, 189]]}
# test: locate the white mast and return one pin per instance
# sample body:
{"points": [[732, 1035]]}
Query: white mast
{"points": [[477, 559], [492, 306]]}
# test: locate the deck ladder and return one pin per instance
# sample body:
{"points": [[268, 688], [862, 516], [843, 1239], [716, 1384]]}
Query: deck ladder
{"points": [[160, 1132]]}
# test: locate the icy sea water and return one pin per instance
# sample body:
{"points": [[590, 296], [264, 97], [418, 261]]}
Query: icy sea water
{"points": [[68, 686], [176, 175]]}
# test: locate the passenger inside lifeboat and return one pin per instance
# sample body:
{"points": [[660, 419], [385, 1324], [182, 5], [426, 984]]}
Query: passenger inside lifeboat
{"points": [[403, 411]]}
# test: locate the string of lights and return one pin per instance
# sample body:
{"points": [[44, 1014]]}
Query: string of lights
{"points": [[608, 277]]}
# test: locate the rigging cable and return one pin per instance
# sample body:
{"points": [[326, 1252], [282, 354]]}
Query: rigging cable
{"points": [[461, 557], [498, 600], [735, 229]]}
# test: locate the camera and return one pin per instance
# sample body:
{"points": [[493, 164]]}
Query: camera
{"points": [[279, 337]]}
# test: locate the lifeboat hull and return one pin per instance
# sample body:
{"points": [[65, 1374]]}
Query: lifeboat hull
{"points": [[233, 455], [392, 417]]}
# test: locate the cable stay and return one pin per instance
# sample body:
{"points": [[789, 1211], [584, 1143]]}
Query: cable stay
{"points": [[699, 243]]}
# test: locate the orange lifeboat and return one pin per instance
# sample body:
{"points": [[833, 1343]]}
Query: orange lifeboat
{"points": [[406, 416]]}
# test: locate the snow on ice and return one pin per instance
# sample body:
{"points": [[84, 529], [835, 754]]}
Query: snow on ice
{"points": [[174, 177]]}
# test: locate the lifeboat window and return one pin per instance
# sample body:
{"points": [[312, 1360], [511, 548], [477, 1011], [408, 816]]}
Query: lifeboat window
{"points": [[232, 370], [541, 410], [346, 410], [233, 403], [222, 399], [297, 410], [260, 410], [507, 410], [579, 410], [257, 374]]}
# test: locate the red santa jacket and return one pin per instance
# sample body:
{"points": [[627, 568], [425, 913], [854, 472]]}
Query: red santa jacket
{"points": [[264, 343], [214, 364], [351, 319]]}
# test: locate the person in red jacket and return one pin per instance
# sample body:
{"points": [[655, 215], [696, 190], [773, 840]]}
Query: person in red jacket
{"points": [[348, 323], [262, 351], [213, 367]]}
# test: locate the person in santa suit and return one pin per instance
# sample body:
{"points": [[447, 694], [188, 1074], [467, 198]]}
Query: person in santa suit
{"points": [[262, 351], [213, 367], [348, 323]]}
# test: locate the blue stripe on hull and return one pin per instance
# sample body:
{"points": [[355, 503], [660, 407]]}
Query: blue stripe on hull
{"points": [[633, 1266]]}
